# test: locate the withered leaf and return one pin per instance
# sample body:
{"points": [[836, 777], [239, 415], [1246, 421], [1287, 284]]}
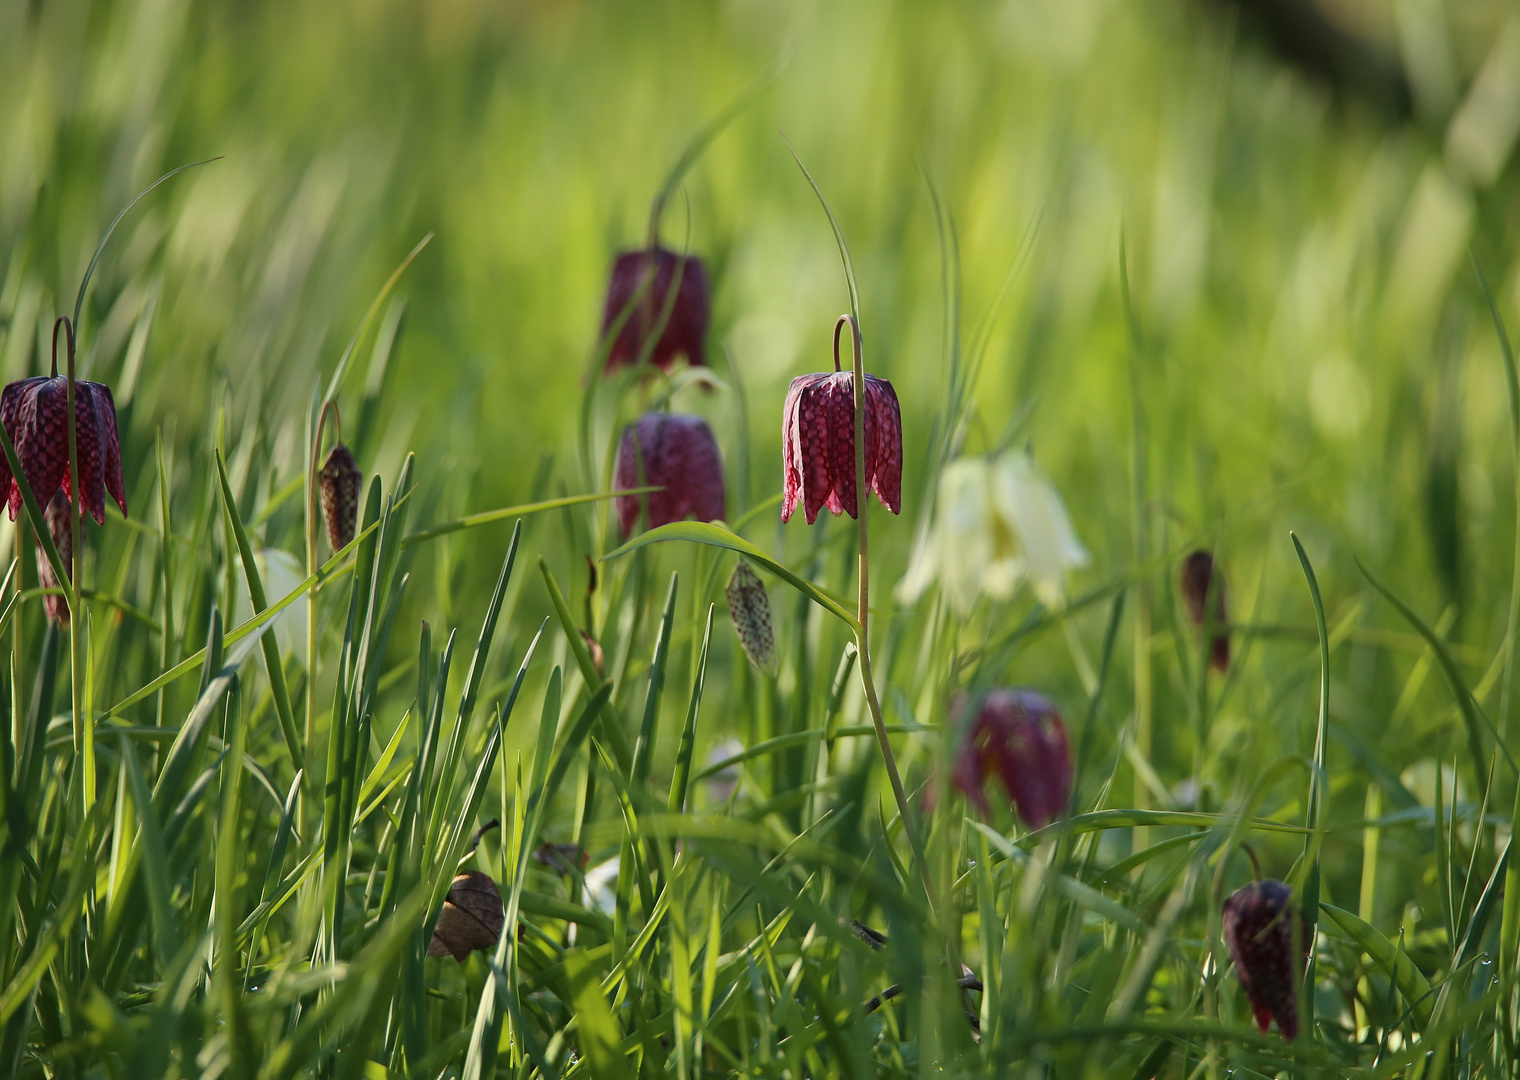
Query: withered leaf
{"points": [[472, 917]]}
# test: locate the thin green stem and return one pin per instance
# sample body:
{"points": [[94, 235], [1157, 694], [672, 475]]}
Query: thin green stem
{"points": [[84, 742], [862, 639], [311, 569]]}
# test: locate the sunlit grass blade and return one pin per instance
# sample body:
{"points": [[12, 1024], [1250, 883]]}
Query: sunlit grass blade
{"points": [[273, 665]]}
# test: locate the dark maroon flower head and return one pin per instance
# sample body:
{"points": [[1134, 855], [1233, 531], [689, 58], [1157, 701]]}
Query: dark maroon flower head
{"points": [[56, 516], [1199, 580], [340, 480], [35, 414], [639, 293], [1259, 927], [679, 454], [818, 444], [1019, 736]]}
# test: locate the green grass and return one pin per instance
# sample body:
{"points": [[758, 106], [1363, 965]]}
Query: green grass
{"points": [[1219, 308]]}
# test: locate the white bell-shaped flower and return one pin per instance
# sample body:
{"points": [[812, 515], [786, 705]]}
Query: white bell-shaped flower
{"points": [[1000, 521]]}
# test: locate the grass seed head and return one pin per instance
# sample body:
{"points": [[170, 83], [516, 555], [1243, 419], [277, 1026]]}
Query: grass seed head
{"points": [[750, 609]]}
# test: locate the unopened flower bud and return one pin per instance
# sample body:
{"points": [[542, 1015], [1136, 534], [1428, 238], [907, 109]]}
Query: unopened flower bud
{"points": [[751, 612], [340, 480]]}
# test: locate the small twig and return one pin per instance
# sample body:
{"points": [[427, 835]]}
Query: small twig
{"points": [[874, 938], [494, 823]]}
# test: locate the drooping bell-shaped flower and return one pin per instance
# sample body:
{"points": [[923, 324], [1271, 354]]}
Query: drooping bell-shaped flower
{"points": [[35, 414], [750, 609], [1201, 579], [640, 303], [999, 521], [818, 444], [56, 516], [1260, 928], [339, 484], [1018, 736], [677, 453]]}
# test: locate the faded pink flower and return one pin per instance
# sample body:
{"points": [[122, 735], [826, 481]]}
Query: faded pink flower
{"points": [[1017, 734], [684, 331], [679, 454], [818, 444], [35, 414]]}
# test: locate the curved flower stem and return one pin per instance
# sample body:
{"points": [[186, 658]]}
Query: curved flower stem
{"points": [[84, 734], [862, 640]]}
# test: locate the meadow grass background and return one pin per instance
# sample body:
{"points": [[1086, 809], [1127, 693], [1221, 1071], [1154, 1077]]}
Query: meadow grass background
{"points": [[1306, 347]]}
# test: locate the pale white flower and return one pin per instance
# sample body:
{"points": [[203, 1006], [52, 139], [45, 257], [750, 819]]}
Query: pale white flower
{"points": [[601, 886], [721, 784], [999, 521]]}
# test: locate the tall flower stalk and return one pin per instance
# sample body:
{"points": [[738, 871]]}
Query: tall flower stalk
{"points": [[84, 741]]}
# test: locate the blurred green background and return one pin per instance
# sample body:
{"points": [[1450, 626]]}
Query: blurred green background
{"points": [[1312, 348]]}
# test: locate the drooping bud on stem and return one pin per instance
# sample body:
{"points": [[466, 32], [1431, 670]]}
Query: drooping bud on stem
{"points": [[339, 481]]}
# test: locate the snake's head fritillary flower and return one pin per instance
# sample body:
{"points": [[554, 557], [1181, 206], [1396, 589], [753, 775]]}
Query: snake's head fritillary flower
{"points": [[1018, 736], [339, 484], [1200, 579], [56, 516], [1260, 926], [677, 453], [998, 522], [818, 444], [640, 303], [750, 609], [35, 414]]}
